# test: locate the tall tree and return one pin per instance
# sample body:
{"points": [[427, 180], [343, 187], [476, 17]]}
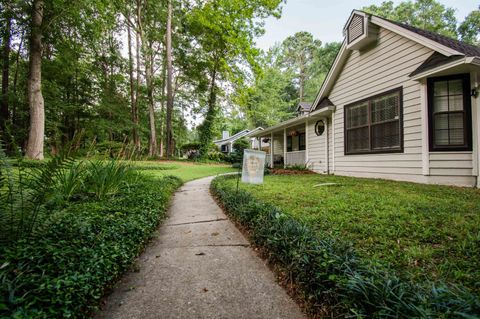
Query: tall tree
{"points": [[298, 52], [133, 95], [425, 14], [469, 29], [168, 38], [225, 30], [34, 88], [7, 36]]}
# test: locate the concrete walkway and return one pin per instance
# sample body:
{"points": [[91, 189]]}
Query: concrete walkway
{"points": [[199, 266]]}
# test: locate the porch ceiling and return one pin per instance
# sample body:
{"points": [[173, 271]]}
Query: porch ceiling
{"points": [[324, 112]]}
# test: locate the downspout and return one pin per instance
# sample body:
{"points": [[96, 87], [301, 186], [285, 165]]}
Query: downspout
{"points": [[271, 150], [284, 147], [327, 163], [333, 142], [475, 124]]}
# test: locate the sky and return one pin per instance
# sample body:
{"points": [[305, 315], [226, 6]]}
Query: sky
{"points": [[325, 18]]}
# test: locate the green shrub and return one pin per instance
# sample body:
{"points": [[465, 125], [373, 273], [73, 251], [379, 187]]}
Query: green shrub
{"points": [[298, 167], [109, 148], [215, 156], [66, 266], [331, 273], [241, 145]]}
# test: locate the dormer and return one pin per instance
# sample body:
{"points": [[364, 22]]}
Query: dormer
{"points": [[303, 108], [359, 31]]}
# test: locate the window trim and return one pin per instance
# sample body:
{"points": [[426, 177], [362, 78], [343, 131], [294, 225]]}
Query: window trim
{"points": [[399, 149], [467, 121]]}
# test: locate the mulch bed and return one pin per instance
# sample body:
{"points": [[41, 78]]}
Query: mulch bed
{"points": [[283, 171]]}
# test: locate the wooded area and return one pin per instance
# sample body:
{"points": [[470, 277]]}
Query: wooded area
{"points": [[140, 74]]}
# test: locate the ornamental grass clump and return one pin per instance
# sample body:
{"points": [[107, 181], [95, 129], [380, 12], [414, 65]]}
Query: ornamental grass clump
{"points": [[104, 178], [332, 277]]}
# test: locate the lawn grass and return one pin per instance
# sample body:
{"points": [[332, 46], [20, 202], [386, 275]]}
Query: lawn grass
{"points": [[186, 171], [424, 232]]}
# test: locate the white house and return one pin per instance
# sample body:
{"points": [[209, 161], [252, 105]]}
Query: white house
{"points": [[225, 144], [398, 103]]}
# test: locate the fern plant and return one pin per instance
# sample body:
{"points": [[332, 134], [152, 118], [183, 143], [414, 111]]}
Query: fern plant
{"points": [[24, 193]]}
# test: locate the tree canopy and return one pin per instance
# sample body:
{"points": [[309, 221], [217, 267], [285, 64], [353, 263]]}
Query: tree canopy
{"points": [[141, 75]]}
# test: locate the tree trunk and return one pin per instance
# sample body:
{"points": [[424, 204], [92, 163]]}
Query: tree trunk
{"points": [[138, 71], [152, 148], [301, 80], [4, 111], [162, 103], [15, 81], [169, 81], [148, 56], [133, 100], [206, 131], [34, 86]]}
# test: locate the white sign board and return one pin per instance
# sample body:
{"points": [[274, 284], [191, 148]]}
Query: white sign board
{"points": [[253, 166]]}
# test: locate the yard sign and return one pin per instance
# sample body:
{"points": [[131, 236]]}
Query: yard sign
{"points": [[253, 166]]}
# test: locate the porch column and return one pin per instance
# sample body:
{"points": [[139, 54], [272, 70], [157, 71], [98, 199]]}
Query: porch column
{"points": [[259, 143], [271, 150], [306, 141], [284, 147]]}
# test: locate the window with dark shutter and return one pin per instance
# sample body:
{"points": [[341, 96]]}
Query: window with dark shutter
{"points": [[289, 144], [450, 119], [374, 125]]}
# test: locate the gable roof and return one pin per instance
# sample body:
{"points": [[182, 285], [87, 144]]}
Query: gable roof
{"points": [[304, 106], [237, 136], [460, 46], [450, 49]]}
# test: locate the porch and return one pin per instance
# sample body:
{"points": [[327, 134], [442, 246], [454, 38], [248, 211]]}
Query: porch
{"points": [[286, 147], [299, 141]]}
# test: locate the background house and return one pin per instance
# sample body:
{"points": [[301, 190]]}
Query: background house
{"points": [[225, 144]]}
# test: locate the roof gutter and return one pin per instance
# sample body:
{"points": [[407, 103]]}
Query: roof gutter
{"points": [[301, 119]]}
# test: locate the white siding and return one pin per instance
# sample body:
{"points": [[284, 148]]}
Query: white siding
{"points": [[316, 149], [384, 67]]}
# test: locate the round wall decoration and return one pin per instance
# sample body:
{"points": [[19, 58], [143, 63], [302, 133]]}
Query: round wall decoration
{"points": [[319, 127]]}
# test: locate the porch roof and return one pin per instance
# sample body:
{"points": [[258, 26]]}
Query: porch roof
{"points": [[326, 111]]}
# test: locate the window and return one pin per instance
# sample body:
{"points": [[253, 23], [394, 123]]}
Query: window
{"points": [[374, 125], [289, 144], [301, 142], [449, 113]]}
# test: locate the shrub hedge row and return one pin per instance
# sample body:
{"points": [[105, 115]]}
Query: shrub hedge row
{"points": [[64, 268], [330, 273]]}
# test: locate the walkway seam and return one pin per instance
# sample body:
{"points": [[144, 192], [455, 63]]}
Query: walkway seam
{"points": [[198, 222]]}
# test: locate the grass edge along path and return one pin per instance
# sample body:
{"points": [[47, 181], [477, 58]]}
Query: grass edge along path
{"points": [[84, 248], [332, 277]]}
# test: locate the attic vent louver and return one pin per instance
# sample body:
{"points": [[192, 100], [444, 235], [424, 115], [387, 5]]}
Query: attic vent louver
{"points": [[356, 28]]}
